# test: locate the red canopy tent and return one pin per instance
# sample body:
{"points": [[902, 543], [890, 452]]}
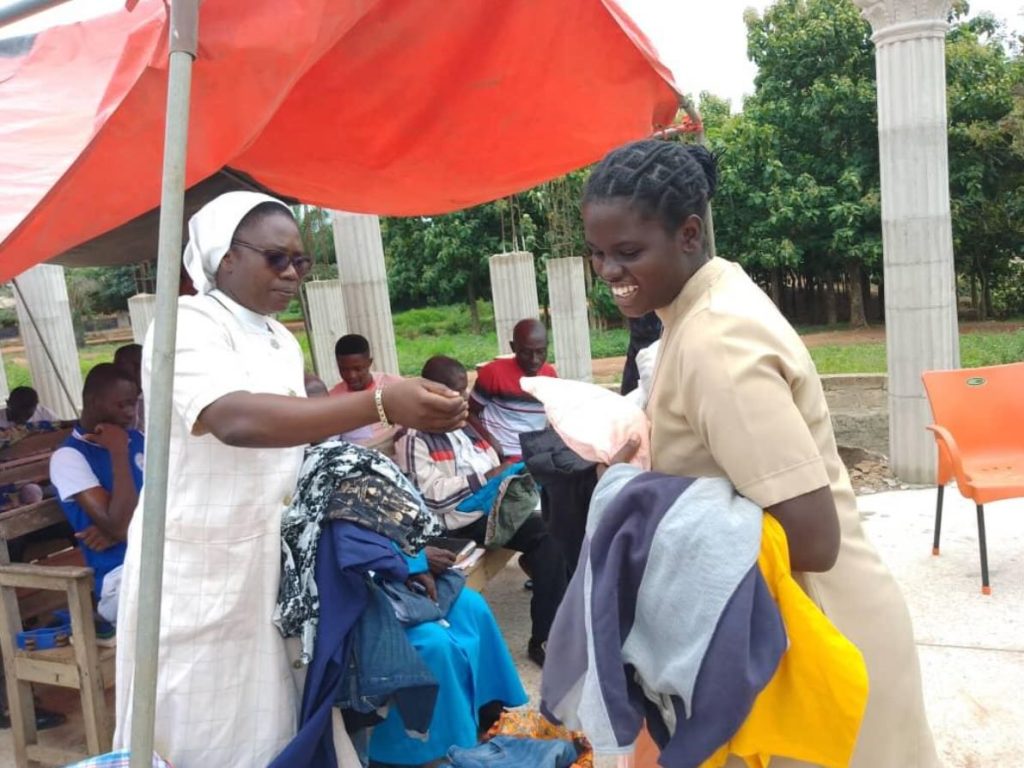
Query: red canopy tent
{"points": [[383, 106], [392, 107]]}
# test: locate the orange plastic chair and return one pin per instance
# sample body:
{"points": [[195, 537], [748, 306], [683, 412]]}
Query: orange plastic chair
{"points": [[979, 428]]}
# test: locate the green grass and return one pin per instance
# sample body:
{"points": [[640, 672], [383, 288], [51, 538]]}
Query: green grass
{"points": [[854, 358], [470, 349], [18, 375], [991, 348], [976, 349], [423, 333], [611, 343]]}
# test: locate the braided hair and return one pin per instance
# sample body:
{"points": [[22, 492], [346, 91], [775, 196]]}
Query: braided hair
{"points": [[662, 179]]}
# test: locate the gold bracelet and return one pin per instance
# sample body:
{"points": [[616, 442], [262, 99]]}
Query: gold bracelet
{"points": [[378, 400]]}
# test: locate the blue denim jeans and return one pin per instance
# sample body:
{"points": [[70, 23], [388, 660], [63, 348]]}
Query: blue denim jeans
{"points": [[509, 752], [412, 608], [383, 668]]}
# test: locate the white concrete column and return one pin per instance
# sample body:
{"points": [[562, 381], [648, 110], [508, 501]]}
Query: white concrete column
{"points": [[5, 388], [42, 293], [514, 291], [364, 281], [920, 280], [568, 299], [325, 320], [141, 310]]}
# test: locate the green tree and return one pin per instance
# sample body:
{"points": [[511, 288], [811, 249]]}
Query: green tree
{"points": [[985, 77], [443, 259], [809, 136], [98, 291], [317, 232], [440, 260]]}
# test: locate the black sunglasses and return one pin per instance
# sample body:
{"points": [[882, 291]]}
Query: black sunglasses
{"points": [[279, 260]]}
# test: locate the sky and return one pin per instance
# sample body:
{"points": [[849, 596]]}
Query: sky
{"points": [[704, 45], [706, 49]]}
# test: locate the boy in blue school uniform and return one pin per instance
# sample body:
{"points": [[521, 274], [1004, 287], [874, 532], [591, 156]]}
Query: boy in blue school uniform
{"points": [[97, 472]]}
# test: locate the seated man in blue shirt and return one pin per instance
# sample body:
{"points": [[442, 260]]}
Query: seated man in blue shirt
{"points": [[97, 472]]}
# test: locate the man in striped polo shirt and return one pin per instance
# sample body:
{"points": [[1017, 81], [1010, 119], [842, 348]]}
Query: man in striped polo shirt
{"points": [[499, 409]]}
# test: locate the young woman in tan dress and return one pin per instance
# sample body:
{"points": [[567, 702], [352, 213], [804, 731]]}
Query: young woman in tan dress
{"points": [[735, 394]]}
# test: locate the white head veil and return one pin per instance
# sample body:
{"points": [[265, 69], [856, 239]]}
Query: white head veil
{"points": [[210, 231]]}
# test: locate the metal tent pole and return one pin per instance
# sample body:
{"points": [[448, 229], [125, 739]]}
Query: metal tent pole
{"points": [[183, 37]]}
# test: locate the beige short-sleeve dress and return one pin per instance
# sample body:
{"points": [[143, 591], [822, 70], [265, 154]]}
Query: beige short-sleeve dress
{"points": [[736, 394]]}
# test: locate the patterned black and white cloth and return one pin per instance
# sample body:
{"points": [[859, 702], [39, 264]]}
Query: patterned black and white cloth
{"points": [[339, 480]]}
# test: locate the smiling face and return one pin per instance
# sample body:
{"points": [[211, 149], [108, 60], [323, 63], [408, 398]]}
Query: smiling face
{"points": [[644, 264], [245, 275]]}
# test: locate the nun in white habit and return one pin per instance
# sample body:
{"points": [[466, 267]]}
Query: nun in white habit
{"points": [[227, 693]]}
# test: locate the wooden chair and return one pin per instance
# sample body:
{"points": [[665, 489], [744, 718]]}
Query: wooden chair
{"points": [[30, 518], [81, 665], [979, 429]]}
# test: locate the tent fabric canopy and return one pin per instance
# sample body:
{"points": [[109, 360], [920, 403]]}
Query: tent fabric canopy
{"points": [[136, 240], [397, 107]]}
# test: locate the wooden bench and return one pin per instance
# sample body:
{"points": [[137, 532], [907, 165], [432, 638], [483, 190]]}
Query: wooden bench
{"points": [[29, 590], [27, 519], [35, 445], [489, 566], [27, 469]]}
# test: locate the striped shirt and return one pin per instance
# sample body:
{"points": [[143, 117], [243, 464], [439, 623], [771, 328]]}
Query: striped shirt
{"points": [[432, 461], [507, 410]]}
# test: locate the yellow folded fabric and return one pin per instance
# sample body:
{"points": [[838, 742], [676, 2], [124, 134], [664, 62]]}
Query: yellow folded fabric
{"points": [[811, 709]]}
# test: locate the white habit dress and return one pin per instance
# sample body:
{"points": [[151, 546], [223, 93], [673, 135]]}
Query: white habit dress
{"points": [[227, 695]]}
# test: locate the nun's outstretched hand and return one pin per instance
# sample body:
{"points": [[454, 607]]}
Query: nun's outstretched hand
{"points": [[424, 405]]}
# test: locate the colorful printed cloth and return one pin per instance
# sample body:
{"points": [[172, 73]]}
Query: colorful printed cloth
{"points": [[15, 433], [341, 481], [528, 723], [119, 759]]}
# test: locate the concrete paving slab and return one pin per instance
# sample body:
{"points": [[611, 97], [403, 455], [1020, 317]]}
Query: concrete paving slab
{"points": [[944, 592], [974, 706]]}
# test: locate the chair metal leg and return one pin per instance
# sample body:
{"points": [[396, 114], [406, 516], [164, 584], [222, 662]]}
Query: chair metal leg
{"points": [[938, 519], [985, 588]]}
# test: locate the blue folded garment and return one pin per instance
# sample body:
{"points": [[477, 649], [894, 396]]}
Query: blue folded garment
{"points": [[483, 500]]}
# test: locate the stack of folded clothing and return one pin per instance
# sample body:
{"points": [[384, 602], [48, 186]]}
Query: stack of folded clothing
{"points": [[683, 615]]}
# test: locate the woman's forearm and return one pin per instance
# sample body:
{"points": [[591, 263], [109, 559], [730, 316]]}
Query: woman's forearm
{"points": [[247, 420]]}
